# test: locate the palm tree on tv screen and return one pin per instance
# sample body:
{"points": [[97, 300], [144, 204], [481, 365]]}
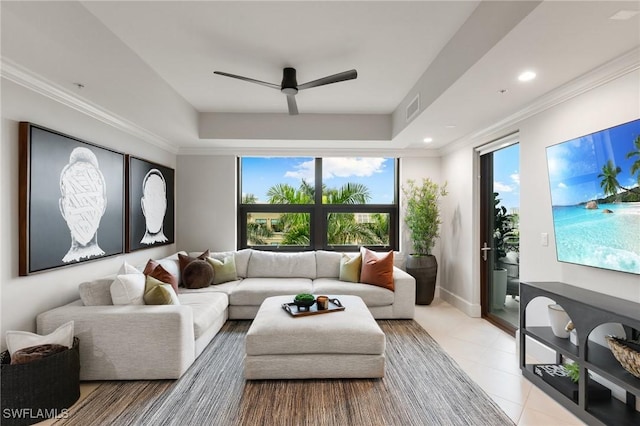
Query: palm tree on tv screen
{"points": [[609, 176], [635, 167]]}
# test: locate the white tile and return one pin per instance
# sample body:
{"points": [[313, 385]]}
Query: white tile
{"points": [[512, 387], [531, 417], [540, 401], [513, 410]]}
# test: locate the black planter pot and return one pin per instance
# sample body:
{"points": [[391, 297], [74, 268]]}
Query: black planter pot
{"points": [[425, 270]]}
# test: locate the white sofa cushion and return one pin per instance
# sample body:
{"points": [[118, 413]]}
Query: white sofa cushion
{"points": [[327, 264], [96, 292], [253, 291], [128, 289], [265, 264], [371, 295], [206, 307]]}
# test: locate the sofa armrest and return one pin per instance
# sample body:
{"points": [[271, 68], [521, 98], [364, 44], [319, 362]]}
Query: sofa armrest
{"points": [[404, 303], [130, 342]]}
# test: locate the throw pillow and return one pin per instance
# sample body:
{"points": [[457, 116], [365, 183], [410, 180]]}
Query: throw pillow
{"points": [[159, 293], [157, 271], [184, 261], [377, 270], [128, 289], [128, 268], [197, 274], [223, 270], [62, 335], [350, 268]]}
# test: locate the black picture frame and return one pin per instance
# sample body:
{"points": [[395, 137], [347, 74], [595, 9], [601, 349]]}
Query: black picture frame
{"points": [[71, 200], [147, 224]]}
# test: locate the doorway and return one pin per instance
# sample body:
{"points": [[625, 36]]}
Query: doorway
{"points": [[500, 233]]}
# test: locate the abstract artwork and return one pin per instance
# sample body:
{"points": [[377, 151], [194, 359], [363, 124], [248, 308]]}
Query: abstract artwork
{"points": [[150, 204], [71, 200]]}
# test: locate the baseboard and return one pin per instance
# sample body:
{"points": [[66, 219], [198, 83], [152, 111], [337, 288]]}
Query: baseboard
{"points": [[471, 309]]}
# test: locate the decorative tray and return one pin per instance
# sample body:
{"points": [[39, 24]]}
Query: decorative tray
{"points": [[295, 311]]}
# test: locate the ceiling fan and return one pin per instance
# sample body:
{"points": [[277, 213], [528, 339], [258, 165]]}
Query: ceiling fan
{"points": [[289, 85]]}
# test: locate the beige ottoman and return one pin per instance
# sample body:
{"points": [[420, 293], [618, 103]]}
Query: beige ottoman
{"points": [[344, 344]]}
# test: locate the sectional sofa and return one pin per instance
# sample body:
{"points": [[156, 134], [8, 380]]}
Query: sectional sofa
{"points": [[142, 342]]}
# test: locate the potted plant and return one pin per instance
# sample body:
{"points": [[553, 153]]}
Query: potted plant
{"points": [[422, 217], [502, 231]]}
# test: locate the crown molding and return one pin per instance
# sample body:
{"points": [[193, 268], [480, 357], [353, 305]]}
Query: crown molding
{"points": [[17, 74], [599, 76]]}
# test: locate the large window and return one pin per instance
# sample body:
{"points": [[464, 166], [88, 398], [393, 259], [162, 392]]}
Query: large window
{"points": [[303, 203]]}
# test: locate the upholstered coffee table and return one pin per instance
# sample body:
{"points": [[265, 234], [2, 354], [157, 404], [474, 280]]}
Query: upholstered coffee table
{"points": [[344, 344]]}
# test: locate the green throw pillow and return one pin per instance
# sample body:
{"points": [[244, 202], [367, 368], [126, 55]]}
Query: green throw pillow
{"points": [[158, 293], [223, 270], [350, 268]]}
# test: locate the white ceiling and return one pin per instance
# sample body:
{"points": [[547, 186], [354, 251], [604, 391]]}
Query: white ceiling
{"points": [[153, 61]]}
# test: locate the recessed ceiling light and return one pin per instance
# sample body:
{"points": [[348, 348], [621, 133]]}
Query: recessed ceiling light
{"points": [[450, 126], [623, 15], [527, 76], [427, 140]]}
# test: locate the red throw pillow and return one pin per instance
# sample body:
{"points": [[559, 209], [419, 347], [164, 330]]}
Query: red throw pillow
{"points": [[155, 270], [377, 270]]}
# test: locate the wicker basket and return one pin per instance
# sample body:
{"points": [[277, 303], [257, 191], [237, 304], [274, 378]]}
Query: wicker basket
{"points": [[40, 389], [627, 353]]}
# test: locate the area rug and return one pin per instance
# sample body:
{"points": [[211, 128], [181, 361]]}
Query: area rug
{"points": [[422, 386]]}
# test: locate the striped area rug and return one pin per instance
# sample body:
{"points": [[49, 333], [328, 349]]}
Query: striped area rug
{"points": [[422, 386]]}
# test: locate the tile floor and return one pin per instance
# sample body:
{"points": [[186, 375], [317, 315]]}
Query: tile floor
{"points": [[487, 355]]}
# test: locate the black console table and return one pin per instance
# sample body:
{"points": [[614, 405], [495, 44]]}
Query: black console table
{"points": [[587, 310]]}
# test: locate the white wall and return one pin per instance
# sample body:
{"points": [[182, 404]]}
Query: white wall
{"points": [[614, 103], [208, 198], [459, 261], [25, 297], [607, 105]]}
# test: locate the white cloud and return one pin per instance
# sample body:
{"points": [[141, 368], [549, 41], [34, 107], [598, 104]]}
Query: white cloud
{"points": [[304, 170], [516, 178], [501, 187], [562, 185], [338, 167]]}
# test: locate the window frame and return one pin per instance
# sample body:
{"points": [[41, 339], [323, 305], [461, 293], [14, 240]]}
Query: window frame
{"points": [[318, 213]]}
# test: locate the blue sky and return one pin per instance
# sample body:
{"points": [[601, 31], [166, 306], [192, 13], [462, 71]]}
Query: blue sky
{"points": [[506, 176], [260, 173], [574, 165]]}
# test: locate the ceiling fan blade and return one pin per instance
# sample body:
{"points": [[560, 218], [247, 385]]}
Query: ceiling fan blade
{"points": [[346, 75], [250, 80], [291, 103]]}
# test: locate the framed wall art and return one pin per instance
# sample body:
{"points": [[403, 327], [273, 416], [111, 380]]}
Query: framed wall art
{"points": [[71, 206], [150, 204]]}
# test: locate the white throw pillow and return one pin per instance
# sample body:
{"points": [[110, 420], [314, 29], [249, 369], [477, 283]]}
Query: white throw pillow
{"points": [[128, 268], [128, 289], [62, 335]]}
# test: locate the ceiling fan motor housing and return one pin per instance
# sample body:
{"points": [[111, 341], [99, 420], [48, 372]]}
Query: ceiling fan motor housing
{"points": [[289, 85]]}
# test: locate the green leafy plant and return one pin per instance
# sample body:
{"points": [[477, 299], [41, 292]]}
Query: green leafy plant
{"points": [[503, 228], [573, 370], [304, 297], [422, 214]]}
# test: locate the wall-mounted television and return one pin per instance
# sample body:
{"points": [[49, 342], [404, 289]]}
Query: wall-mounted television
{"points": [[595, 198]]}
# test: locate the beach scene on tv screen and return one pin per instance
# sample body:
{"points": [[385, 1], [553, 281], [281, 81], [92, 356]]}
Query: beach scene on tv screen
{"points": [[595, 197]]}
